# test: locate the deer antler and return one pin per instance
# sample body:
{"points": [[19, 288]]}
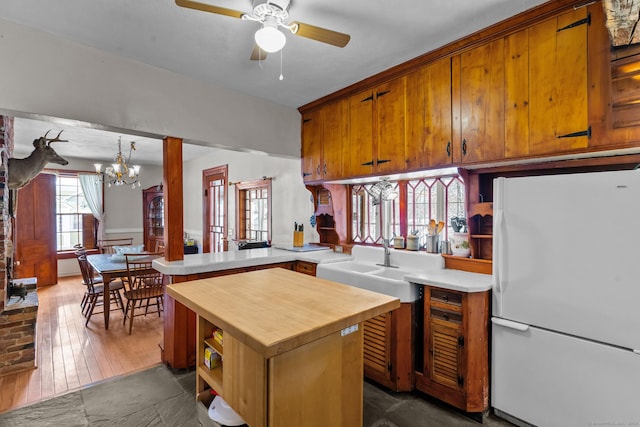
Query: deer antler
{"points": [[57, 138]]}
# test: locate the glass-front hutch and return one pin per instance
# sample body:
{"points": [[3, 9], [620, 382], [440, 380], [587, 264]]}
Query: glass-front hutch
{"points": [[153, 211]]}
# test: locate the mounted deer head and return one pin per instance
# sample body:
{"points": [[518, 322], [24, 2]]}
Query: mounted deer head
{"points": [[22, 171]]}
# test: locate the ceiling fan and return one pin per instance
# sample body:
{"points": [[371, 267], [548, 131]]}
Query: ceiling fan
{"points": [[272, 14]]}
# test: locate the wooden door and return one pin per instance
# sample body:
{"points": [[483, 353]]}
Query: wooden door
{"points": [[214, 182], [428, 115], [335, 126], [35, 230], [482, 102], [390, 126], [311, 146], [153, 211], [377, 349], [445, 355], [558, 84], [361, 134]]}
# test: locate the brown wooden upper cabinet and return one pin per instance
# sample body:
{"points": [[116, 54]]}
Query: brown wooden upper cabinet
{"points": [[547, 87], [428, 116], [324, 138], [377, 129], [481, 94]]}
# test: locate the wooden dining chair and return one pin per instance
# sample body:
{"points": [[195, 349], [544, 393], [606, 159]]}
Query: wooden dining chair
{"points": [[97, 279], [159, 246], [106, 245], [94, 294], [144, 286]]}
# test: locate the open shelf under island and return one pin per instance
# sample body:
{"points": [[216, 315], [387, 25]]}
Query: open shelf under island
{"points": [[292, 344]]}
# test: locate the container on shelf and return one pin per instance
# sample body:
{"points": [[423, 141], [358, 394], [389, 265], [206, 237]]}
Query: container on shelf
{"points": [[460, 245]]}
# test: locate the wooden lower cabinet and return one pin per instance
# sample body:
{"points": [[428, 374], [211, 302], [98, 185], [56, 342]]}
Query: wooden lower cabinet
{"points": [[178, 349], [455, 348], [388, 348], [306, 267]]}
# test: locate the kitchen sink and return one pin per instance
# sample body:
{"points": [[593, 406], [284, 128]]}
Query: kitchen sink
{"points": [[390, 273], [364, 272]]}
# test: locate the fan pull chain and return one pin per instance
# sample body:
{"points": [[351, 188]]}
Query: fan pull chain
{"points": [[281, 76]]}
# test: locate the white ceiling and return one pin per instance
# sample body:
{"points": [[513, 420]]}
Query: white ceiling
{"points": [[216, 49]]}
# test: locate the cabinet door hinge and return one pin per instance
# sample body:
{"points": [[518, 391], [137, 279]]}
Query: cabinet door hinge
{"points": [[461, 341], [206, 193], [586, 133], [368, 98], [305, 120], [460, 381], [389, 366], [379, 94], [586, 20], [304, 174]]}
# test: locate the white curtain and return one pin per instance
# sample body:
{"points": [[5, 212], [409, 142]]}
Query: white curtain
{"points": [[92, 189]]}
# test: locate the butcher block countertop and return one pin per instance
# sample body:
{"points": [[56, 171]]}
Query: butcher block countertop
{"points": [[276, 310]]}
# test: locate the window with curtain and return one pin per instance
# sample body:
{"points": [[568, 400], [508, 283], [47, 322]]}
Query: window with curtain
{"points": [[419, 201], [73, 215]]}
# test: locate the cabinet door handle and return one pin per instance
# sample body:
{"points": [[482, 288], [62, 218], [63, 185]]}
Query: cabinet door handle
{"points": [[325, 169], [368, 163], [448, 148], [464, 147], [384, 92], [305, 174], [378, 161], [586, 133], [318, 170]]}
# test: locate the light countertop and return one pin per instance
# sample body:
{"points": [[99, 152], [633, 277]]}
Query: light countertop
{"points": [[216, 261], [456, 280]]}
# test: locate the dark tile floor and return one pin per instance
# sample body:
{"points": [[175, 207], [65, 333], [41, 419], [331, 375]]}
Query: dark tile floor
{"points": [[160, 397]]}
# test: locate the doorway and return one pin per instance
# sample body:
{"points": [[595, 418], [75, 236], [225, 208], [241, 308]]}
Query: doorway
{"points": [[214, 182]]}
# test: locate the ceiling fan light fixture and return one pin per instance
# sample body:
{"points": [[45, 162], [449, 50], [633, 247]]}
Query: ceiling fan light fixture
{"points": [[269, 38]]}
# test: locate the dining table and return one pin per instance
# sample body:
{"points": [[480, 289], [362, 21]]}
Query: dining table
{"points": [[110, 268]]}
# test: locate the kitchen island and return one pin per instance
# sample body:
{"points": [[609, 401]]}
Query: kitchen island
{"points": [[178, 346], [292, 344]]}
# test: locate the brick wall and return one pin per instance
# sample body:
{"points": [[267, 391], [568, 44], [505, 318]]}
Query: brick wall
{"points": [[17, 317]]}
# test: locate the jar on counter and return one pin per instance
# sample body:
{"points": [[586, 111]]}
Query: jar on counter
{"points": [[413, 243], [398, 242]]}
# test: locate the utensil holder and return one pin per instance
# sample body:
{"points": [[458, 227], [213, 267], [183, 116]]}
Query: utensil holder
{"points": [[298, 239], [432, 243]]}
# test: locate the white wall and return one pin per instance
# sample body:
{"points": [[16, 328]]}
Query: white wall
{"points": [[290, 199], [43, 74]]}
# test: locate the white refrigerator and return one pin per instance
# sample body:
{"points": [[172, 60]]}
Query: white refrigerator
{"points": [[565, 345]]}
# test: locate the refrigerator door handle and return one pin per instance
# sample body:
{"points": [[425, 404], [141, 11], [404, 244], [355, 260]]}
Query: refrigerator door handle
{"points": [[499, 220], [522, 327]]}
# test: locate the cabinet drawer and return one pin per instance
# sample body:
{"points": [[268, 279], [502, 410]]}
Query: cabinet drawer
{"points": [[447, 316], [306, 268], [446, 297]]}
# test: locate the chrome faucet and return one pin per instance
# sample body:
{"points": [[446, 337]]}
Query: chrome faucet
{"points": [[387, 255]]}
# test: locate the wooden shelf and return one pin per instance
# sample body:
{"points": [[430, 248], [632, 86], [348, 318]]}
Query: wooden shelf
{"points": [[213, 344], [482, 209], [473, 265], [482, 236], [213, 377]]}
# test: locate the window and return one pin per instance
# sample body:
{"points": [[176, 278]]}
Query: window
{"points": [[253, 201], [72, 213], [419, 201]]}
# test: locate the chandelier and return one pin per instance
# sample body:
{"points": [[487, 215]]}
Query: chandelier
{"points": [[120, 172]]}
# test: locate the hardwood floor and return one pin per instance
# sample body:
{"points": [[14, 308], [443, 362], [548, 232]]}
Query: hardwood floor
{"points": [[70, 356]]}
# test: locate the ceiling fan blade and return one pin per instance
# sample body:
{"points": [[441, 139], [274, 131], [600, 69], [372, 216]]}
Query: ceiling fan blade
{"points": [[210, 8], [321, 34], [258, 54]]}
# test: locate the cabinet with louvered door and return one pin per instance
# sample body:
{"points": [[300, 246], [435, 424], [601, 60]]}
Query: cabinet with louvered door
{"points": [[377, 345], [452, 363], [388, 348]]}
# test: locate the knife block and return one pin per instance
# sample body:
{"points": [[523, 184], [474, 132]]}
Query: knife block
{"points": [[298, 239]]}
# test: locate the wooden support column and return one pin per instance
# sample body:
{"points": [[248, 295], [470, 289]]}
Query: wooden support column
{"points": [[173, 206]]}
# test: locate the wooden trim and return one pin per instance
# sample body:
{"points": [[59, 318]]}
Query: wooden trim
{"points": [[473, 265], [173, 198], [498, 30]]}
